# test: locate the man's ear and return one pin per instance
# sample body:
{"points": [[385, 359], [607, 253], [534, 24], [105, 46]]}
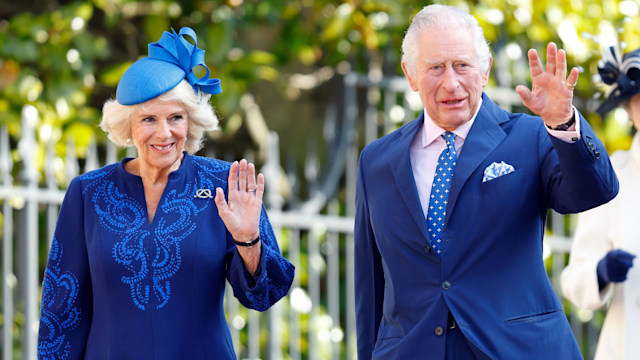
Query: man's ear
{"points": [[485, 76], [412, 81]]}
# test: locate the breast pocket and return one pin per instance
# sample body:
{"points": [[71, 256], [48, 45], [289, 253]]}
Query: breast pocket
{"points": [[503, 184]]}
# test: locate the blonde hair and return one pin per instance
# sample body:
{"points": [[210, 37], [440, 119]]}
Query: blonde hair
{"points": [[116, 118]]}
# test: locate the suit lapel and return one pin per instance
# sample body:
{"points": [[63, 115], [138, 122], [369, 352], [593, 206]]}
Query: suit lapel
{"points": [[400, 164], [485, 135]]}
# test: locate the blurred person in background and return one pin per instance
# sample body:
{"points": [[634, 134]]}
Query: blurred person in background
{"points": [[142, 248], [607, 238], [451, 207]]}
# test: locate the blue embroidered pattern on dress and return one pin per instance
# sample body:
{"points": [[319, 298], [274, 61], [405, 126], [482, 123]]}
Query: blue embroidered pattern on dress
{"points": [[176, 217], [59, 313], [213, 168], [152, 255]]}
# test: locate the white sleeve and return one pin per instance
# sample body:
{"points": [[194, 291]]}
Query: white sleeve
{"points": [[591, 242]]}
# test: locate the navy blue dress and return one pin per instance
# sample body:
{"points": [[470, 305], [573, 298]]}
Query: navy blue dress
{"points": [[119, 287]]}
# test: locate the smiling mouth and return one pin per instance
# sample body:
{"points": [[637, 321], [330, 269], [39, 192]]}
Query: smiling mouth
{"points": [[452, 102], [162, 148]]}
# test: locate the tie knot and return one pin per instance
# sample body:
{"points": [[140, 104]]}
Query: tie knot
{"points": [[449, 137]]}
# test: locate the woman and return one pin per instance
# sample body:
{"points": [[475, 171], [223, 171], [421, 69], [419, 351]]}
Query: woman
{"points": [[606, 239], [139, 258]]}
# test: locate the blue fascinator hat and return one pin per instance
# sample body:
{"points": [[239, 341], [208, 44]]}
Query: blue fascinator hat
{"points": [[622, 73], [170, 60]]}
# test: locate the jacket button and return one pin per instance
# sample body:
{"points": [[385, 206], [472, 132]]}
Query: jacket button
{"points": [[446, 285], [439, 331], [427, 249]]}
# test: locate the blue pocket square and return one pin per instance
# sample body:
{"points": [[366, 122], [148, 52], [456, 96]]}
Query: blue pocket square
{"points": [[495, 170]]}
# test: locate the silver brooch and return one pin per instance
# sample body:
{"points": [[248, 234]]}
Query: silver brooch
{"points": [[203, 194]]}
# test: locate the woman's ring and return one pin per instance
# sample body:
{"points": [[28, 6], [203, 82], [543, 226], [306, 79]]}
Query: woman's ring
{"points": [[252, 190]]}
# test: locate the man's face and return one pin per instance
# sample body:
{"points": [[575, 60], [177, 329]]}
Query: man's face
{"points": [[447, 76]]}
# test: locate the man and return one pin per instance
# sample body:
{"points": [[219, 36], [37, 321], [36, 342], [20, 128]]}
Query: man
{"points": [[459, 275]]}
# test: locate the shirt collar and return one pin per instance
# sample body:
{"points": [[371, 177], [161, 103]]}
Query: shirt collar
{"points": [[431, 131]]}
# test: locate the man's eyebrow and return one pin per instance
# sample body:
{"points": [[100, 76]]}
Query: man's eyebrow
{"points": [[465, 59]]}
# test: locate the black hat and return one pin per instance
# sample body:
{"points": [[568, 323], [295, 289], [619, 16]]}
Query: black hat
{"points": [[622, 74]]}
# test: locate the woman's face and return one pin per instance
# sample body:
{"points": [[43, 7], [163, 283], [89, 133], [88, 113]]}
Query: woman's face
{"points": [[159, 131], [634, 110]]}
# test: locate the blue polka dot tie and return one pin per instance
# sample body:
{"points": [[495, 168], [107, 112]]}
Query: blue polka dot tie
{"points": [[440, 193]]}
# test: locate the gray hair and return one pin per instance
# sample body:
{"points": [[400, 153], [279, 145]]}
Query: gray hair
{"points": [[116, 118], [443, 17]]}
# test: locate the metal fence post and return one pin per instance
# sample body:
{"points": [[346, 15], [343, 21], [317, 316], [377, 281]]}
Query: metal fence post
{"points": [[8, 277], [29, 240], [272, 170]]}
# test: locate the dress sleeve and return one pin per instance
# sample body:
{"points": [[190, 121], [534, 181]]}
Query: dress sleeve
{"points": [[274, 275], [591, 242], [66, 310]]}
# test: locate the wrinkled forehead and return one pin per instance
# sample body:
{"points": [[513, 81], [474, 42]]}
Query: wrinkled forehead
{"points": [[447, 45]]}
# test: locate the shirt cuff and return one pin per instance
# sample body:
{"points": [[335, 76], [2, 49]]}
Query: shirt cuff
{"points": [[570, 135]]}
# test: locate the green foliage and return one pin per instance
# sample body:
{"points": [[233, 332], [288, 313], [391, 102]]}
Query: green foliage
{"points": [[67, 59]]}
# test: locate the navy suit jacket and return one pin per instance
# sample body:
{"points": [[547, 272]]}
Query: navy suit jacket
{"points": [[491, 275]]}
